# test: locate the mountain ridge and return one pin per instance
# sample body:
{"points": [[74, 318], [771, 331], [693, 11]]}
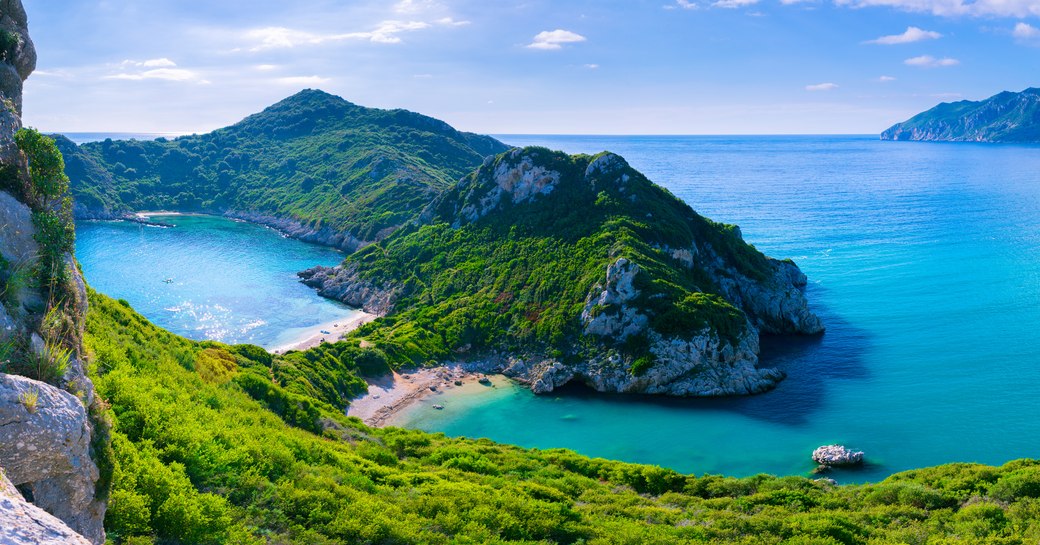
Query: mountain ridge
{"points": [[1004, 117], [312, 165]]}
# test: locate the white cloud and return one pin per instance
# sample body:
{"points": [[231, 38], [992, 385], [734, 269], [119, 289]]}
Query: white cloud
{"points": [[734, 4], [414, 6], [886, 79], [822, 87], [912, 34], [792, 2], [167, 74], [591, 66], [266, 67], [282, 38], [448, 21], [686, 4], [928, 61], [976, 8], [299, 81], [554, 39], [1025, 32], [150, 63]]}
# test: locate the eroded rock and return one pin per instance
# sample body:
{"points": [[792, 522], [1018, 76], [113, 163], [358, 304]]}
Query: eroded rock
{"points": [[45, 444]]}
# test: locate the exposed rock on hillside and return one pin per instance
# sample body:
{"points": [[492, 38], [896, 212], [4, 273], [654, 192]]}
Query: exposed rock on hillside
{"points": [[344, 283], [22, 523], [45, 440], [1004, 117]]}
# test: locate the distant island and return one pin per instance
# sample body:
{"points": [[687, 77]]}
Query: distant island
{"points": [[1004, 117]]}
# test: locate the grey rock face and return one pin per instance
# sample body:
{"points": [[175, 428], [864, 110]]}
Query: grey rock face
{"points": [[345, 284], [700, 366], [516, 178], [16, 231], [607, 311], [22, 523], [45, 444], [325, 236]]}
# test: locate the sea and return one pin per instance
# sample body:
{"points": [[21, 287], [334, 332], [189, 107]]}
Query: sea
{"points": [[210, 278], [923, 262]]}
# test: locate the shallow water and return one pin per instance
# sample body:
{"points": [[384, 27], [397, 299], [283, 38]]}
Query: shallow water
{"points": [[924, 263], [231, 281]]}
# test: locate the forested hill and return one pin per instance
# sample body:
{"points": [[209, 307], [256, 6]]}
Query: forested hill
{"points": [[314, 165], [578, 268], [1004, 117]]}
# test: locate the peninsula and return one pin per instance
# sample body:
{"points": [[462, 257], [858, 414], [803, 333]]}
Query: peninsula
{"points": [[1004, 117]]}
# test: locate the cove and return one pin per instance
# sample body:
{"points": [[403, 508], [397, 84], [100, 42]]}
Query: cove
{"points": [[924, 263], [229, 281]]}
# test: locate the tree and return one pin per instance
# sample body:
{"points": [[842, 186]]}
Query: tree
{"points": [[46, 166]]}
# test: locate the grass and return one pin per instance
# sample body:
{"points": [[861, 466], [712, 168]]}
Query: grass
{"points": [[29, 399]]}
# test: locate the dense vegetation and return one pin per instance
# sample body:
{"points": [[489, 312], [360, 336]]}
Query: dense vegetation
{"points": [[517, 278], [210, 449], [1004, 117], [312, 157], [41, 289]]}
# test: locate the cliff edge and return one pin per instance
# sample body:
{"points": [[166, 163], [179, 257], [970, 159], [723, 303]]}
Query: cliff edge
{"points": [[53, 436]]}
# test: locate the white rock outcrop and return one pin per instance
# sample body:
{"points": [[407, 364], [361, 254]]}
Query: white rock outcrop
{"points": [[45, 438], [837, 456], [22, 523]]}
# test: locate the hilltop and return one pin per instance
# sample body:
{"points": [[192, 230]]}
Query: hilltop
{"points": [[551, 268], [313, 165], [1004, 117]]}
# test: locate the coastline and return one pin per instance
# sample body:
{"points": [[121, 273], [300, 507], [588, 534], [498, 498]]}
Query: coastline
{"points": [[390, 395], [312, 336]]}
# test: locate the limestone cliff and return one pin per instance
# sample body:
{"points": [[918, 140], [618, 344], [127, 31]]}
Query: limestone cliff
{"points": [[49, 436], [552, 268]]}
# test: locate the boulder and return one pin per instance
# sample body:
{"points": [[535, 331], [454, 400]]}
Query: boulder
{"points": [[45, 446], [837, 456], [22, 523]]}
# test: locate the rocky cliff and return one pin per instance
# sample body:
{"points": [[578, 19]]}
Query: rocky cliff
{"points": [[554, 268], [1004, 117], [50, 433]]}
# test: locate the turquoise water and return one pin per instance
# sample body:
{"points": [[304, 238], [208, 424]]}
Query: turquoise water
{"points": [[232, 281], [924, 263]]}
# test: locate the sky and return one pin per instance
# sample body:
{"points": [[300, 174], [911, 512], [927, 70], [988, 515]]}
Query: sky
{"points": [[529, 67]]}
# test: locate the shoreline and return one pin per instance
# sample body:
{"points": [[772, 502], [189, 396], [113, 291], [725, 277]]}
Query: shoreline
{"points": [[388, 396], [312, 336]]}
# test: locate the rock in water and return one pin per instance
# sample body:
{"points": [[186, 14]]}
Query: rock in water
{"points": [[836, 456]]}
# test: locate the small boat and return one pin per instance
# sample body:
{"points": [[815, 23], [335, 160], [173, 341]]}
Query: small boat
{"points": [[168, 281], [439, 407]]}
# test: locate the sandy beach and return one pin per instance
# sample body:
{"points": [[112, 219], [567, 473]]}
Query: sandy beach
{"points": [[387, 396], [313, 336]]}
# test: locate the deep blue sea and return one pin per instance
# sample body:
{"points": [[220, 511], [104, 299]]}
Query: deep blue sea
{"points": [[924, 263], [923, 259], [230, 281]]}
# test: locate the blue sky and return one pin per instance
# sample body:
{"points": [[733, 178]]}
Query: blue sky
{"points": [[536, 66]]}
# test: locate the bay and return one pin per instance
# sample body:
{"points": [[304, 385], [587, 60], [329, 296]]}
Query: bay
{"points": [[924, 263]]}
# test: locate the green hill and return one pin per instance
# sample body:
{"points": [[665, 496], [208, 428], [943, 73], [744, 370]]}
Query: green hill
{"points": [[312, 165], [552, 268], [217, 444], [1004, 117]]}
